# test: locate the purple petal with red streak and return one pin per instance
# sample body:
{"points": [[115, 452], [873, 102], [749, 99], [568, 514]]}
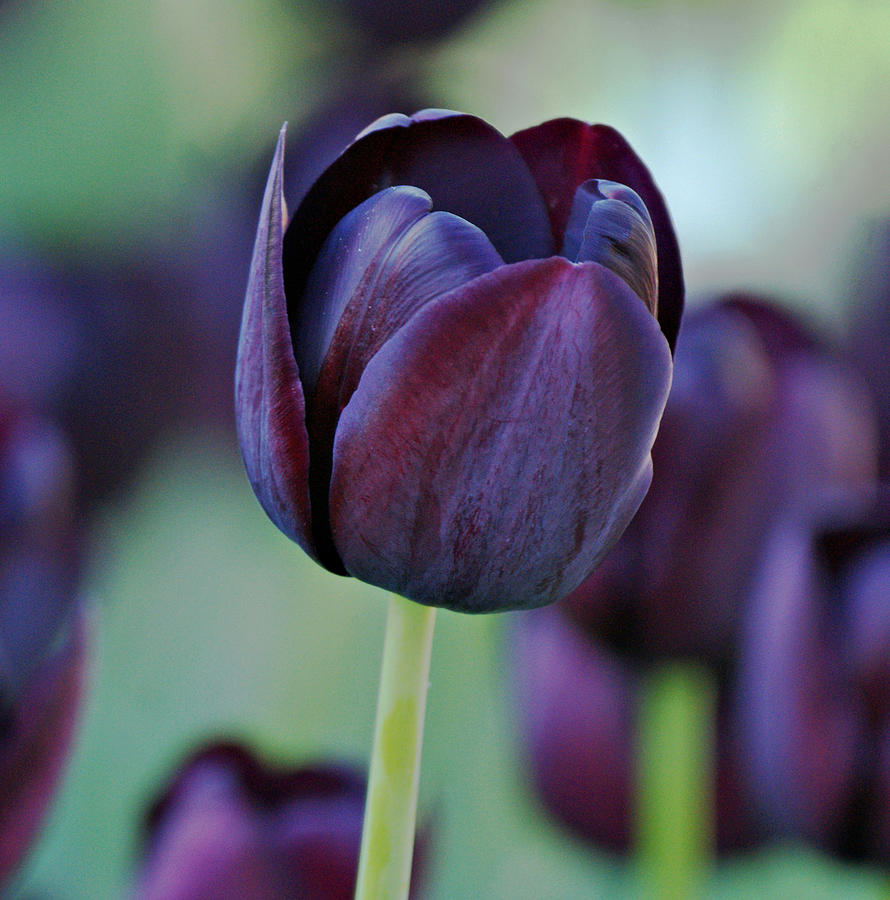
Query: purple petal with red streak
{"points": [[499, 443]]}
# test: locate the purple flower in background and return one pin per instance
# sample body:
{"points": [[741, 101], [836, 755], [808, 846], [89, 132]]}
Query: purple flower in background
{"points": [[762, 419], [453, 363], [37, 726], [228, 826], [578, 707], [812, 697], [42, 635], [108, 348], [869, 326]]}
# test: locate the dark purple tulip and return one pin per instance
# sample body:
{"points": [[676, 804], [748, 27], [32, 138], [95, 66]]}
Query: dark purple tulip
{"points": [[444, 403], [578, 705], [228, 826], [761, 419], [108, 348], [36, 729], [761, 415], [40, 681], [38, 543], [869, 293], [812, 692]]}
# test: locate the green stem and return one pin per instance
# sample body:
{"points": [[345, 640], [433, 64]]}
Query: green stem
{"points": [[384, 871], [676, 772]]}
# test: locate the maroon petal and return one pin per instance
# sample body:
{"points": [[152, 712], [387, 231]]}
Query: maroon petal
{"points": [[499, 443], [269, 404], [564, 153], [347, 266], [610, 224], [466, 166]]}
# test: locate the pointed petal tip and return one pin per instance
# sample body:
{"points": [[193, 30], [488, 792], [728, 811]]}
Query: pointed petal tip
{"points": [[610, 224], [269, 403]]}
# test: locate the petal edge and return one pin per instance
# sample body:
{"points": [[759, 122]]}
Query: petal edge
{"points": [[269, 403]]}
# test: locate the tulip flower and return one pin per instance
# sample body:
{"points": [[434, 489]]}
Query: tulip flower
{"points": [[812, 698], [868, 296], [42, 635], [454, 357], [229, 826]]}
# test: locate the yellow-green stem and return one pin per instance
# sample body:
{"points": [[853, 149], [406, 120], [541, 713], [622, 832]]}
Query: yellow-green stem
{"points": [[676, 775], [384, 871]]}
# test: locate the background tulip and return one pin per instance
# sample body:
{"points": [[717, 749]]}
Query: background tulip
{"points": [[411, 407], [43, 641], [762, 415], [868, 315], [736, 451], [811, 694], [390, 22], [230, 826]]}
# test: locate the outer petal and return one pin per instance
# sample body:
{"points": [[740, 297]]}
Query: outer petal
{"points": [[464, 164], [564, 153], [496, 445], [269, 403]]}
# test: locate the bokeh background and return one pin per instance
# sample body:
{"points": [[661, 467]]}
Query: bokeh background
{"points": [[134, 142]]}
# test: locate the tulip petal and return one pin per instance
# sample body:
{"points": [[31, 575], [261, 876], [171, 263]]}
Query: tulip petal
{"points": [[269, 403], [610, 224], [374, 272], [564, 153], [347, 265], [498, 444], [464, 164], [384, 261]]}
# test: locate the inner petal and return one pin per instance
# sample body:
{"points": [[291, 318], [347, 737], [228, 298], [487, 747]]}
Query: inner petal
{"points": [[369, 280], [610, 224], [357, 245]]}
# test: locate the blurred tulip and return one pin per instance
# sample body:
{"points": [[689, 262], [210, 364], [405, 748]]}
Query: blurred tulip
{"points": [[108, 348], [761, 415], [41, 670], [578, 705], [812, 691], [443, 403], [228, 826], [37, 726], [761, 419], [869, 329]]}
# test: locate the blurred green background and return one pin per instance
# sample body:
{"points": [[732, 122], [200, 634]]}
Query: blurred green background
{"points": [[765, 124]]}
